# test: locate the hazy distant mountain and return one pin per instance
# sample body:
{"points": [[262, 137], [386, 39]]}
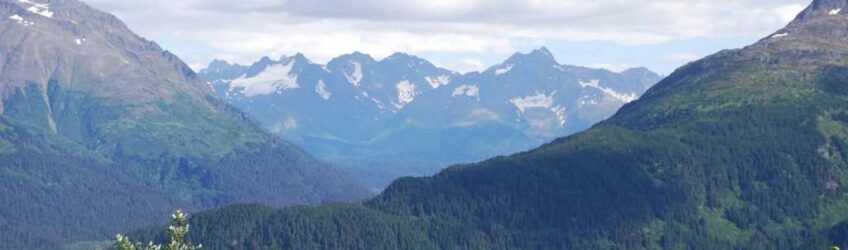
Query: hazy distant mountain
{"points": [[102, 131], [403, 110], [744, 149]]}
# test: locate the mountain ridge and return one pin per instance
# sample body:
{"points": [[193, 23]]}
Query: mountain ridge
{"points": [[393, 104], [219, 64]]}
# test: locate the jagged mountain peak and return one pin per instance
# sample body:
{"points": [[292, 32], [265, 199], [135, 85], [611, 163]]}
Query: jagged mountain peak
{"points": [[540, 58], [540, 55], [401, 56], [220, 63], [264, 60], [544, 51], [297, 57], [354, 57], [222, 69], [404, 61]]}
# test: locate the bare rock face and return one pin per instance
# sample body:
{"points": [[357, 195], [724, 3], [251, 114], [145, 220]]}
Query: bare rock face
{"points": [[818, 35], [85, 50]]}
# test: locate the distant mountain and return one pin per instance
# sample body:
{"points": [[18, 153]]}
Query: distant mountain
{"points": [[744, 149], [102, 130], [403, 110]]}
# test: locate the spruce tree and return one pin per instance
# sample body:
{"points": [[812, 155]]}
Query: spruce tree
{"points": [[177, 232]]}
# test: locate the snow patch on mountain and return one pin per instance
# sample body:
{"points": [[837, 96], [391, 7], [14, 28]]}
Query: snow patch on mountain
{"points": [[780, 35], [559, 111], [275, 78], [322, 91], [586, 100], [356, 77], [438, 81], [503, 69], [379, 103], [38, 8], [406, 93], [835, 12], [467, 90], [21, 20], [624, 97], [536, 101]]}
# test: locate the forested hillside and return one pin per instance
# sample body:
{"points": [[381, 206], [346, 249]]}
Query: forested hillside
{"points": [[744, 149]]}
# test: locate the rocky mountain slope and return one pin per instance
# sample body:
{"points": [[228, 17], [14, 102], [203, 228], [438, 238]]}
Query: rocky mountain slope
{"points": [[101, 130]]}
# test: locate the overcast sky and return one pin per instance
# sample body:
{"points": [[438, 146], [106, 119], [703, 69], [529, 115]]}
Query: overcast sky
{"points": [[462, 35]]}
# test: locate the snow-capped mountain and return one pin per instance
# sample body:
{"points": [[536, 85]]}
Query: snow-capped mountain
{"points": [[403, 109], [348, 100], [532, 93]]}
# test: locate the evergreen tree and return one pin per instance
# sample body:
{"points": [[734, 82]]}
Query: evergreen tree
{"points": [[177, 232]]}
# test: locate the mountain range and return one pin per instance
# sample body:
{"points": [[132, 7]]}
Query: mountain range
{"points": [[743, 149], [102, 130], [406, 116]]}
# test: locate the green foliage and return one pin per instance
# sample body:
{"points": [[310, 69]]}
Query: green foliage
{"points": [[183, 127], [44, 170], [177, 232], [79, 183]]}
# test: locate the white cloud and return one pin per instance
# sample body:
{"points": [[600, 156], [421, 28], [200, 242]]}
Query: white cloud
{"points": [[241, 31]]}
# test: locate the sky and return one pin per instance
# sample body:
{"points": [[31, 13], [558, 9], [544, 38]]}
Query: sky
{"points": [[461, 35]]}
